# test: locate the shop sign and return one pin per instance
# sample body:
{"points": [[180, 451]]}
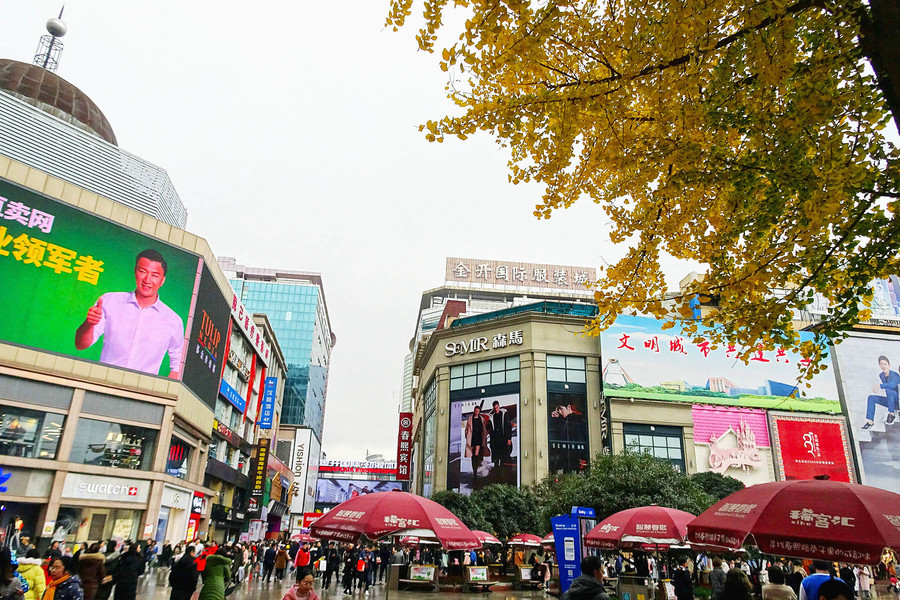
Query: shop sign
{"points": [[404, 446], [233, 396], [244, 319], [26, 482], [235, 361], [97, 487], [191, 529], [175, 498], [259, 468], [484, 344], [310, 518], [198, 504], [230, 436], [253, 505], [267, 409], [256, 530]]}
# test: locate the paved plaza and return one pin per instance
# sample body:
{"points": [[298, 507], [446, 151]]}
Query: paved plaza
{"points": [[153, 586]]}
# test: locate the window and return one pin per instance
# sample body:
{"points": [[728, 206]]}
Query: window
{"points": [[484, 373], [569, 369], [662, 441], [29, 433], [179, 459], [113, 445], [104, 405]]}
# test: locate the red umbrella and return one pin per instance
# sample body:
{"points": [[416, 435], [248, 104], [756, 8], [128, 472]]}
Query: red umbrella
{"points": [[525, 539], [302, 537], [486, 538], [656, 525], [548, 540], [383, 513], [411, 540], [829, 520]]}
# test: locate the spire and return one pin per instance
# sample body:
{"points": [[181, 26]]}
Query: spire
{"points": [[50, 48]]}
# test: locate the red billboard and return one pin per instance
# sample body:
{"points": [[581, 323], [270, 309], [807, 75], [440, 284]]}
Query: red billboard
{"points": [[809, 446], [404, 446]]}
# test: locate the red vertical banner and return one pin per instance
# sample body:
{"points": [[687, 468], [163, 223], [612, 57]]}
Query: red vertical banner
{"points": [[809, 445], [404, 446]]}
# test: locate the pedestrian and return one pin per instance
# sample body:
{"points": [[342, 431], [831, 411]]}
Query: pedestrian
{"points": [[384, 561], [131, 567], [681, 580], [737, 586], [281, 562], [349, 570], [216, 576], [809, 588], [796, 576], [717, 578], [11, 584], [31, 570], [150, 553], [165, 555], [64, 582], [111, 568], [91, 570], [588, 585], [183, 576], [303, 589], [848, 576], [863, 581], [301, 559], [777, 589], [268, 563], [834, 589], [332, 564]]}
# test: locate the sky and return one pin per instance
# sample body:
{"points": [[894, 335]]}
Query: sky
{"points": [[290, 133]]}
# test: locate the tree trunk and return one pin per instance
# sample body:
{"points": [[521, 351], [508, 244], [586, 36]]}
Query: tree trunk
{"points": [[880, 42]]}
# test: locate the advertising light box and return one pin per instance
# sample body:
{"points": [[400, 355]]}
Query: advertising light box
{"points": [[82, 286]]}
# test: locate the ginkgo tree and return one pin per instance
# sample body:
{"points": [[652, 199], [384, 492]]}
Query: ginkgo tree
{"points": [[752, 137]]}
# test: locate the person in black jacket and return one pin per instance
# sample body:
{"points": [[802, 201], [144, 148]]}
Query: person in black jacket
{"points": [[268, 563], [131, 566], [681, 580], [183, 576], [588, 585]]}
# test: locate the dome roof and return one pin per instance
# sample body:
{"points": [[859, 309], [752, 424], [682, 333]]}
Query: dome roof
{"points": [[55, 95]]}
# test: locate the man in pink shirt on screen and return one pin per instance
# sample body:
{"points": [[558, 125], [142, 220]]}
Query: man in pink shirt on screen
{"points": [[138, 329]]}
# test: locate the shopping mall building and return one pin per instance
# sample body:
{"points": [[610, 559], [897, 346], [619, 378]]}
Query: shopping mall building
{"points": [[539, 397]]}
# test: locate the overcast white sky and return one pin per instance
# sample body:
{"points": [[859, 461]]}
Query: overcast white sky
{"points": [[290, 132]]}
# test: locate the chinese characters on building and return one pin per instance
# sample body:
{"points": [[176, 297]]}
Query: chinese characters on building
{"points": [[404, 446], [489, 272]]}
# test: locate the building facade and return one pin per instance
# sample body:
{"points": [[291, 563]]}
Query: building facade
{"points": [[95, 450], [295, 304], [541, 399]]}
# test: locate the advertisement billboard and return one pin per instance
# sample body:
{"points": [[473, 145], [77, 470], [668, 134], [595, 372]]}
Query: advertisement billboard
{"points": [[404, 446], [259, 468], [867, 367], [641, 360], [567, 429], [733, 441], [206, 343], [116, 296], [479, 455], [810, 446], [304, 464], [77, 284], [335, 491]]}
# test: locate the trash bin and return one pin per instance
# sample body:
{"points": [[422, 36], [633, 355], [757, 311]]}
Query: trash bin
{"points": [[631, 587]]}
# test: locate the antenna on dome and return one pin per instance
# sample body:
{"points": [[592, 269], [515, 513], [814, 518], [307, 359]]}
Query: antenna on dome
{"points": [[50, 48]]}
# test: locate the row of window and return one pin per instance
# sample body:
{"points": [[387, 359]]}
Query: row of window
{"points": [[26, 433], [483, 373]]}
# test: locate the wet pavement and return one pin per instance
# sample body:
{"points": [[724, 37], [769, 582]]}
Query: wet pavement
{"points": [[154, 586]]}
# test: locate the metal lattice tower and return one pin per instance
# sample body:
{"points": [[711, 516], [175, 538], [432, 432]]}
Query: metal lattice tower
{"points": [[615, 373]]}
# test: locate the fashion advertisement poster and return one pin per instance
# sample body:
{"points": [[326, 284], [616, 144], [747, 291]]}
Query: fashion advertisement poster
{"points": [[567, 426], [867, 365], [484, 443], [810, 446], [119, 298]]}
